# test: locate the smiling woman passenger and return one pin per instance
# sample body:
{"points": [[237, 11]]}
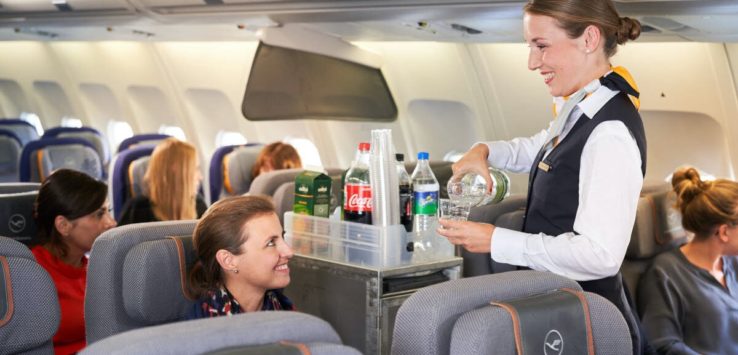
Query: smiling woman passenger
{"points": [[242, 259]]}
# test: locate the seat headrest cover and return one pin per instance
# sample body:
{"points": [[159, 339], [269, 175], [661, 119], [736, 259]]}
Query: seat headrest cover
{"points": [[215, 171], [154, 280], [136, 174], [119, 179], [281, 348], [658, 226], [141, 139], [237, 169], [16, 216], [39, 158], [24, 130], [267, 183]]}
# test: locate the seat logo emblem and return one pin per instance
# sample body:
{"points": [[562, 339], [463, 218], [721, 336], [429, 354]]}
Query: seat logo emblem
{"points": [[554, 343], [17, 223]]}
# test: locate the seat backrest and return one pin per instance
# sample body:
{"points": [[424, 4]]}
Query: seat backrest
{"points": [[490, 330], [267, 183], [16, 217], [10, 153], [137, 277], [25, 131], [241, 334], [87, 133], [216, 170], [136, 173], [507, 214], [658, 228], [16, 187], [236, 171], [40, 158], [142, 139], [284, 199], [425, 320], [119, 182], [29, 307]]}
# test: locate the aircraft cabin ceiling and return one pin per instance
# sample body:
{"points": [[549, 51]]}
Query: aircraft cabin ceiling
{"points": [[353, 20]]}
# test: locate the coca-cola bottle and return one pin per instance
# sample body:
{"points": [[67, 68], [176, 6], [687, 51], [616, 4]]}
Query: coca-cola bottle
{"points": [[406, 194], [357, 189]]}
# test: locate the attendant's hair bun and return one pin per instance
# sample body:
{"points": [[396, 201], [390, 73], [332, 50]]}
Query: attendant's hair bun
{"points": [[629, 29]]}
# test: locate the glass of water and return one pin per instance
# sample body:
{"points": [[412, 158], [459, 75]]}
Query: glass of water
{"points": [[452, 210]]}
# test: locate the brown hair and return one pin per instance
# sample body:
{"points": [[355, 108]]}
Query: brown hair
{"points": [[704, 204], [67, 193], [574, 16], [279, 156], [222, 227], [169, 177]]}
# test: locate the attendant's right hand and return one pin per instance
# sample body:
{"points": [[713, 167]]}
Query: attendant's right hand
{"points": [[475, 160]]}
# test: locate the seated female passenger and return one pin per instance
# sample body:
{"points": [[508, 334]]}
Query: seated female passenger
{"points": [[172, 179], [241, 259], [276, 156], [71, 211], [689, 296]]}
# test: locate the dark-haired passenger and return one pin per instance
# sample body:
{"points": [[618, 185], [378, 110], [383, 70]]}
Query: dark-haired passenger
{"points": [[241, 259], [276, 156], [689, 296], [71, 211]]}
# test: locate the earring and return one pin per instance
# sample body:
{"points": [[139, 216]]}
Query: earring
{"points": [[586, 50], [235, 271]]}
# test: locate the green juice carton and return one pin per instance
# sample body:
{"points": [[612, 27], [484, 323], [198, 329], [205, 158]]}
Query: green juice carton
{"points": [[312, 194]]}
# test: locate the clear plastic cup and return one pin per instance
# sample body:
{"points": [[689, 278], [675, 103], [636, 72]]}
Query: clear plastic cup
{"points": [[451, 210]]}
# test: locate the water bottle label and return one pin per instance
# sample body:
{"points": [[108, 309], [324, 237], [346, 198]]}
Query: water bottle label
{"points": [[425, 202], [357, 198]]}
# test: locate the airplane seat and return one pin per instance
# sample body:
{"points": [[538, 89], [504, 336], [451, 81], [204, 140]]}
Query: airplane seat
{"points": [[492, 330], [137, 277], [10, 153], [16, 187], [235, 172], [119, 180], [425, 321], [507, 214], [248, 334], [284, 199], [29, 306], [16, 217], [87, 133], [41, 157], [24, 130], [141, 140], [658, 228], [136, 173], [267, 183]]}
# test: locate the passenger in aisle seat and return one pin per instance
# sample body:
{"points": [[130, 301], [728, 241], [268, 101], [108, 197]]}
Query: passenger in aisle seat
{"points": [[586, 170], [241, 259], [276, 156], [688, 299], [71, 211], [172, 178]]}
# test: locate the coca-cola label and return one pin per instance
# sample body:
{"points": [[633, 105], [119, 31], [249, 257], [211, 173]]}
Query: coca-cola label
{"points": [[357, 198]]}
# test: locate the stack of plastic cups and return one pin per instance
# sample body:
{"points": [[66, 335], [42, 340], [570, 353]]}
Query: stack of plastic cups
{"points": [[385, 192]]}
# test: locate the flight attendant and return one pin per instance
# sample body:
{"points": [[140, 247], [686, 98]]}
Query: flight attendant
{"points": [[586, 170]]}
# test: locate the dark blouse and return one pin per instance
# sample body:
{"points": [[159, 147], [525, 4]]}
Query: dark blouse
{"points": [[139, 210], [685, 310], [222, 303]]}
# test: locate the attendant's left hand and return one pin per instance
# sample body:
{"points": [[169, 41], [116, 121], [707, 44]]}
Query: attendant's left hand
{"points": [[472, 236]]}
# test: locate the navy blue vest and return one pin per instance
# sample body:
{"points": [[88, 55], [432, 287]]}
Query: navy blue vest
{"points": [[553, 195]]}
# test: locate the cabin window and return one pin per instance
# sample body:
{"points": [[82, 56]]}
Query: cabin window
{"points": [[174, 131], [67, 121], [308, 152], [33, 119], [291, 84], [118, 131], [224, 138]]}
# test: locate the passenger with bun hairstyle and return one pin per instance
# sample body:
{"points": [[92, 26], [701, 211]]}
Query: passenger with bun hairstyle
{"points": [[241, 259], [586, 170], [172, 180], [71, 211], [689, 297], [276, 156]]}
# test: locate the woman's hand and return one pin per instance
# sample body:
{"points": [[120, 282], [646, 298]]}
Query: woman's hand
{"points": [[475, 160], [474, 237]]}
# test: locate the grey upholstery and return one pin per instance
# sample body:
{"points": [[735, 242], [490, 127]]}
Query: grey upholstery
{"points": [[284, 199], [96, 139], [25, 131], [489, 330], [15, 187], [507, 214], [135, 277], [424, 322], [237, 170], [658, 228], [29, 307], [10, 154], [209, 335], [16, 217], [76, 157], [136, 173], [267, 183]]}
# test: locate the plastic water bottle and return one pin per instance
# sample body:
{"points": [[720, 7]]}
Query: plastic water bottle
{"points": [[425, 195], [470, 189]]}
